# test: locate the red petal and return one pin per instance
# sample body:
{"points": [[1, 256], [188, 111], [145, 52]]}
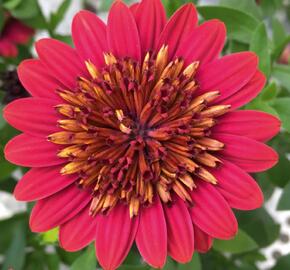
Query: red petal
{"points": [[151, 238], [180, 231], [115, 235], [248, 154], [204, 44], [90, 37], [202, 241], [28, 115], [7, 48], [211, 213], [58, 208], [228, 74], [180, 25], [238, 188], [79, 231], [150, 18], [17, 32], [123, 37], [133, 8], [246, 93], [28, 151], [40, 183], [37, 81], [62, 60], [256, 125]]}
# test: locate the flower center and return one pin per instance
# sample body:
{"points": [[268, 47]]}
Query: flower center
{"points": [[136, 130]]}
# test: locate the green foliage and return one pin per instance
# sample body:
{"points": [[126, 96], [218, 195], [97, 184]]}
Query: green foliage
{"points": [[240, 244]]}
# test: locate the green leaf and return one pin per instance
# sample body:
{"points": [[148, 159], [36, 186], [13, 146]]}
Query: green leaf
{"points": [[26, 9], [259, 225], [134, 267], [282, 74], [2, 19], [240, 244], [86, 261], [247, 6], [11, 4], [194, 264], [259, 45], [58, 16], [279, 32], [283, 263], [278, 49], [15, 255], [240, 25], [170, 264], [284, 202], [282, 106], [50, 237], [270, 92]]}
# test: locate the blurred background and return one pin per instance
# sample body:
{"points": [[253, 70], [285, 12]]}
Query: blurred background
{"points": [[263, 241]]}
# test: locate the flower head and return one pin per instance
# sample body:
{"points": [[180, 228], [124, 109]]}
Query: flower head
{"points": [[135, 135], [13, 33]]}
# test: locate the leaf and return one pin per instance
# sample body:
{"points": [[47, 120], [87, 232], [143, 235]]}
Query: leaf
{"points": [[283, 263], [279, 32], [240, 244], [282, 106], [240, 25], [284, 202], [50, 237], [194, 264], [1, 19], [170, 264], [58, 16], [247, 6], [86, 261], [134, 267], [15, 255], [278, 49], [270, 92], [259, 225], [11, 4], [26, 9], [259, 44], [282, 74]]}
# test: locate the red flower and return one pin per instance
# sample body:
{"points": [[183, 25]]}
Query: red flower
{"points": [[13, 33], [149, 145]]}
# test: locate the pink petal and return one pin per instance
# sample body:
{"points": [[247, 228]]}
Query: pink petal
{"points": [[246, 93], [29, 151], [228, 74], [7, 48], [256, 125], [58, 208], [79, 231], [180, 25], [17, 32], [40, 183], [180, 231], [28, 115], [202, 241], [238, 188], [122, 34], [89, 36], [211, 213], [204, 44], [115, 235], [150, 18], [133, 8], [151, 238], [248, 154], [37, 81], [61, 60]]}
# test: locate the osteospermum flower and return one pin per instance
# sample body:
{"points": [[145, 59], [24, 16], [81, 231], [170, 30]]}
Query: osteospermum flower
{"points": [[14, 32], [135, 136]]}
